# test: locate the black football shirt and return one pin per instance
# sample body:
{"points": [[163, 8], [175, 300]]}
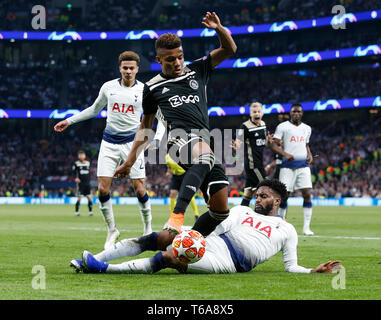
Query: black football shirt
{"points": [[254, 137], [82, 171], [181, 102]]}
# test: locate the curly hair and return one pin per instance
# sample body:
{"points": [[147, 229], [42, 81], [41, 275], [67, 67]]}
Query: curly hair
{"points": [[168, 41], [277, 186]]}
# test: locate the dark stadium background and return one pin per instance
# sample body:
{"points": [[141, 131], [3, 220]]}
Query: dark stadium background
{"points": [[68, 74]]}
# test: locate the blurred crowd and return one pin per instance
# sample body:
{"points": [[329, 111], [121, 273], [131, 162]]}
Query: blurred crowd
{"points": [[20, 89], [145, 14], [307, 85], [347, 166]]}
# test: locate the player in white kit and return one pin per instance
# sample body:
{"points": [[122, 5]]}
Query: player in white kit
{"points": [[295, 172], [242, 241], [123, 98]]}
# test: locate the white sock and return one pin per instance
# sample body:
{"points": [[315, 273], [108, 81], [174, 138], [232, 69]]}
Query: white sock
{"points": [[133, 266], [145, 212], [307, 217], [108, 214], [124, 248]]}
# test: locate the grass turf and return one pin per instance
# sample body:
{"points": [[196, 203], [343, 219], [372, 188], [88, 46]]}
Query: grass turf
{"points": [[50, 236]]}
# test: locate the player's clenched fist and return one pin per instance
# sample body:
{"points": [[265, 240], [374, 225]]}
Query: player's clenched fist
{"points": [[123, 171], [61, 126]]}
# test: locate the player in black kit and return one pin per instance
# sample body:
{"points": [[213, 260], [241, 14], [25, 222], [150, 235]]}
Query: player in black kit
{"points": [[81, 169], [255, 137], [178, 95]]}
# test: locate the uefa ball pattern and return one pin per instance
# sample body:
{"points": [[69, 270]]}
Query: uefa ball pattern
{"points": [[188, 246]]}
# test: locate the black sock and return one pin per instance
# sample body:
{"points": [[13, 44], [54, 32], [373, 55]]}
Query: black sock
{"points": [[90, 205], [148, 242], [192, 181], [245, 202], [77, 206], [208, 221]]}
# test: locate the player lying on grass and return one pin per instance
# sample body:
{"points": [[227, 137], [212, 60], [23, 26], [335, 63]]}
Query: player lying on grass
{"points": [[241, 242]]}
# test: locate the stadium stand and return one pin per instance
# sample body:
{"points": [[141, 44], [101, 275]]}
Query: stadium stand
{"points": [[68, 74], [121, 14]]}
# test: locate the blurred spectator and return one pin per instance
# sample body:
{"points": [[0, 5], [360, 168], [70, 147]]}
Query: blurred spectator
{"points": [[132, 15], [347, 166]]}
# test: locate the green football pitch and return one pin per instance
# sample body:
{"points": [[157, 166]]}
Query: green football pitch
{"points": [[38, 242]]}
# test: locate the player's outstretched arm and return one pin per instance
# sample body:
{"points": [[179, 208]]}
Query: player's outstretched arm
{"points": [[140, 140], [227, 45]]}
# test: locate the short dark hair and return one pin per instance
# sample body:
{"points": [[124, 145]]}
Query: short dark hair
{"points": [[277, 186], [168, 41], [129, 56], [81, 151], [296, 105]]}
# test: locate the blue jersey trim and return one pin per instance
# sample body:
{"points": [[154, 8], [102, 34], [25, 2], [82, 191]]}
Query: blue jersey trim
{"points": [[240, 262], [117, 139], [120, 82], [294, 164]]}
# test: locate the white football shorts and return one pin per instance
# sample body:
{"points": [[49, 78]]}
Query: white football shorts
{"points": [[111, 156], [216, 259], [296, 179]]}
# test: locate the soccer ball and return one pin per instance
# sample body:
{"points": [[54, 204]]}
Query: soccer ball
{"points": [[188, 246]]}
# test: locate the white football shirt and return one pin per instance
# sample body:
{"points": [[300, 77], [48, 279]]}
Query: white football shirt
{"points": [[258, 237], [124, 107], [295, 139]]}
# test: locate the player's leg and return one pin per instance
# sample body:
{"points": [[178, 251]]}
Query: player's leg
{"points": [[138, 175], [90, 204], [218, 212], [304, 183], [172, 196], [217, 259], [77, 204], [144, 204], [134, 246], [215, 191], [307, 212], [105, 206], [253, 178], [174, 190], [108, 161], [173, 193], [194, 208], [286, 176], [202, 163], [247, 196]]}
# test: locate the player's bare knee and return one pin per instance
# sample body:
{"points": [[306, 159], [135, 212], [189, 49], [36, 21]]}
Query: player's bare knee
{"points": [[103, 191]]}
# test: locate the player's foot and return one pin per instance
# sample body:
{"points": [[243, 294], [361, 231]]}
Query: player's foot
{"points": [[308, 232], [91, 264], [175, 222], [112, 236], [77, 265], [77, 214], [90, 214]]}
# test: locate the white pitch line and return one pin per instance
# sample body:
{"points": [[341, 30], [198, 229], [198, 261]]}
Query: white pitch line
{"points": [[326, 237], [94, 229], [343, 237]]}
